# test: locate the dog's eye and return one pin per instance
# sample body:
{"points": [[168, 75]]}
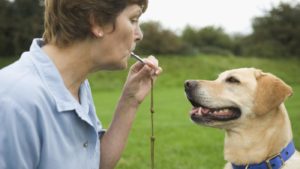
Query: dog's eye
{"points": [[232, 79]]}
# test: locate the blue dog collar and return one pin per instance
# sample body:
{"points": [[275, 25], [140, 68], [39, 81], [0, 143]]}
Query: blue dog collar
{"points": [[274, 162]]}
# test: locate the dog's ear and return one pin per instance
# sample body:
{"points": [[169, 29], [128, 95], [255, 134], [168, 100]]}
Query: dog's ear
{"points": [[270, 92]]}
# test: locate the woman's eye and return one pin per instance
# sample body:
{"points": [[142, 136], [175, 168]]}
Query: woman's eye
{"points": [[134, 20], [232, 79]]}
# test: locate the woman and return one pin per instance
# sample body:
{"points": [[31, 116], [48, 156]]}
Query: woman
{"points": [[47, 115]]}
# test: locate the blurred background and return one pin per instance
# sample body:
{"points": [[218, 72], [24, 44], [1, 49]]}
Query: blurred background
{"points": [[193, 39], [264, 28]]}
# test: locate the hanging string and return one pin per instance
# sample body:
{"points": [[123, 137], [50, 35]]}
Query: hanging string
{"points": [[152, 138]]}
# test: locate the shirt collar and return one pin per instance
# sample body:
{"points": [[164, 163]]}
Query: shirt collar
{"points": [[53, 80]]}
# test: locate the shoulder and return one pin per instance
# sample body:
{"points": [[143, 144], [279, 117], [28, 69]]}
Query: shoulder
{"points": [[20, 86], [19, 78]]}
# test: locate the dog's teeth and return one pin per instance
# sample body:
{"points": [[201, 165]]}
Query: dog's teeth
{"points": [[205, 111], [199, 110]]}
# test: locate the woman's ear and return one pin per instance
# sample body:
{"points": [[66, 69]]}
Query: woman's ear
{"points": [[96, 29]]}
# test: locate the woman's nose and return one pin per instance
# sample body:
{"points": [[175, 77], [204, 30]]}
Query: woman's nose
{"points": [[138, 35]]}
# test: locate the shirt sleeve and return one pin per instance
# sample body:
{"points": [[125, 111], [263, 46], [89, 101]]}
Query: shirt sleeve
{"points": [[19, 138]]}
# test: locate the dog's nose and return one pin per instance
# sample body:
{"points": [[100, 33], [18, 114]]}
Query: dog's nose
{"points": [[190, 85]]}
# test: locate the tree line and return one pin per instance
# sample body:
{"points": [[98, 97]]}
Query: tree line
{"points": [[20, 22], [275, 34]]}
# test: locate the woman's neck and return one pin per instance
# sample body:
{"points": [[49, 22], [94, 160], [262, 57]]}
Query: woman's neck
{"points": [[72, 63]]}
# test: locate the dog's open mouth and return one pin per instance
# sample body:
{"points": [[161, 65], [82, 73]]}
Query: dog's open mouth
{"points": [[204, 114]]}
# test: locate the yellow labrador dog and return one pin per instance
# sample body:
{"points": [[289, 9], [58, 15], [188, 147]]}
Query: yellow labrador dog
{"points": [[248, 104]]}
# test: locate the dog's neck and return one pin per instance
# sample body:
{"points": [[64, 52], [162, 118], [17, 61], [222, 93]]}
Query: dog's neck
{"points": [[258, 139]]}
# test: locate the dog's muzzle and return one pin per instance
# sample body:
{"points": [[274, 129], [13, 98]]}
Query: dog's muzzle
{"points": [[203, 114]]}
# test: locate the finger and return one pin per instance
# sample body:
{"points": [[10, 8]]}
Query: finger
{"points": [[152, 62], [155, 73], [158, 71], [145, 71], [136, 67]]}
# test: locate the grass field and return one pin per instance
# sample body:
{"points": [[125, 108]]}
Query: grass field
{"points": [[180, 144]]}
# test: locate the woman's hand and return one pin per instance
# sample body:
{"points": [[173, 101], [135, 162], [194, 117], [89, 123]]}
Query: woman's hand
{"points": [[136, 88], [138, 83]]}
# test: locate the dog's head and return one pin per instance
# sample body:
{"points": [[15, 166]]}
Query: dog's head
{"points": [[235, 95]]}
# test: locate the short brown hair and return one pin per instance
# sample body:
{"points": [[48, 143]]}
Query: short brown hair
{"points": [[67, 21]]}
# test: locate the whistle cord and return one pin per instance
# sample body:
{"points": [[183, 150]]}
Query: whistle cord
{"points": [[152, 138]]}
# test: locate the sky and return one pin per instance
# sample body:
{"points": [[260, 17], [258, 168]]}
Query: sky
{"points": [[234, 16]]}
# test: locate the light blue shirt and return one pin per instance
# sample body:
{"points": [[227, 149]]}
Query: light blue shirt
{"points": [[42, 126]]}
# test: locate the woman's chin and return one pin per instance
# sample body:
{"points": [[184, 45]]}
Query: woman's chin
{"points": [[120, 66]]}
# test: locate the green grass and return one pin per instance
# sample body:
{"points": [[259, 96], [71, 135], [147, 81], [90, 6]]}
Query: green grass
{"points": [[180, 144], [179, 68]]}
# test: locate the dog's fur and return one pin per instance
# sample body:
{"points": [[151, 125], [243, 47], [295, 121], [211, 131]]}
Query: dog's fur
{"points": [[254, 117]]}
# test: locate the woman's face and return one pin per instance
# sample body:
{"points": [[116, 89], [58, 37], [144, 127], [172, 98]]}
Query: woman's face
{"points": [[116, 45]]}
